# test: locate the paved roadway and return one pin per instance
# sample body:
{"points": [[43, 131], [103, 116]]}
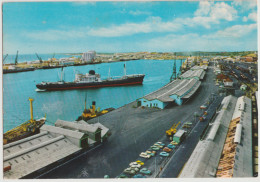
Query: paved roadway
{"points": [[176, 163], [133, 131]]}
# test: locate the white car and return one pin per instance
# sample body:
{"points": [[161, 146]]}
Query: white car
{"points": [[157, 145], [129, 171], [144, 155], [135, 165], [136, 169]]}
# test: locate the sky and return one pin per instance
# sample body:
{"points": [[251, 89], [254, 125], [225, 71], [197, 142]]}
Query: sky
{"points": [[108, 27]]}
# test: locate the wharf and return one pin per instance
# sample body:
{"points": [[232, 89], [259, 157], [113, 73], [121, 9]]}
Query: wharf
{"points": [[133, 131]]}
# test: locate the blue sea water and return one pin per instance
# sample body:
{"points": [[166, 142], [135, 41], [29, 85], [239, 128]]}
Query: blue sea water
{"points": [[69, 104]]}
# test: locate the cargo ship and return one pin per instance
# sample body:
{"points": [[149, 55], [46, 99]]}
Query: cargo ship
{"points": [[26, 129], [91, 80], [92, 112], [13, 69]]}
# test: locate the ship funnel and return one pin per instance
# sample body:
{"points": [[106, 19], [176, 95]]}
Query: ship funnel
{"points": [[31, 108]]}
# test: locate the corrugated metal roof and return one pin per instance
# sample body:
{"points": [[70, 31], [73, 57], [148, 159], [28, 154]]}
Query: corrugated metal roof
{"points": [[39, 158], [62, 131], [204, 160], [177, 87], [77, 126]]}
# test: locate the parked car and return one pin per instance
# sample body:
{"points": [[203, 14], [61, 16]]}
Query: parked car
{"points": [[174, 143], [145, 171], [122, 176], [164, 154], [150, 153], [140, 162], [144, 155], [136, 169], [139, 176], [166, 149], [129, 171], [160, 143], [171, 146], [154, 148], [135, 164], [157, 145]]}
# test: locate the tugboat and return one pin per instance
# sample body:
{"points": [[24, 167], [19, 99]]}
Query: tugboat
{"points": [[92, 112], [91, 80], [26, 129]]}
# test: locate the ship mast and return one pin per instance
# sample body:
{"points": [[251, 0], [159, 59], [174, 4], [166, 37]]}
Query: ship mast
{"points": [[125, 69], [109, 73], [61, 75]]}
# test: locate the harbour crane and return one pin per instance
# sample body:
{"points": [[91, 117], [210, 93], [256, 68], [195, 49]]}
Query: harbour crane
{"points": [[40, 59], [5, 58], [16, 59], [174, 71]]}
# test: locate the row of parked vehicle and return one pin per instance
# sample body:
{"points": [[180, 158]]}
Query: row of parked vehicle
{"points": [[136, 167]]}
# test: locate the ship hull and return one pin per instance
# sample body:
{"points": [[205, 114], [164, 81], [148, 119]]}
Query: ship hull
{"points": [[17, 70], [138, 80]]}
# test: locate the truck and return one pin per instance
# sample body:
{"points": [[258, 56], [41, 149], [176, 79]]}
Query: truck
{"points": [[179, 136]]}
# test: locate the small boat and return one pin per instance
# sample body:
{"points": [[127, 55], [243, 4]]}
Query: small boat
{"points": [[24, 130], [92, 112]]}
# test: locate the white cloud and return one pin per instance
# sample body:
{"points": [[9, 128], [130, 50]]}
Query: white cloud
{"points": [[245, 5], [204, 8], [152, 24], [251, 16], [138, 12], [236, 31], [207, 14], [232, 38], [222, 11]]}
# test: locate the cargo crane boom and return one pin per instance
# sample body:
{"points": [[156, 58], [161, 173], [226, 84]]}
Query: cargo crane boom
{"points": [[173, 129], [5, 58], [16, 59], [40, 59]]}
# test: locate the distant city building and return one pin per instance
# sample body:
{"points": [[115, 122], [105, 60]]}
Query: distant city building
{"points": [[89, 56]]}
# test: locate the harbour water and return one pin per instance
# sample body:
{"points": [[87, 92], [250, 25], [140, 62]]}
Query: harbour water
{"points": [[69, 104]]}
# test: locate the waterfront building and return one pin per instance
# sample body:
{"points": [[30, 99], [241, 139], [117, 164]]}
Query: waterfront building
{"points": [[31, 156], [89, 56], [175, 92]]}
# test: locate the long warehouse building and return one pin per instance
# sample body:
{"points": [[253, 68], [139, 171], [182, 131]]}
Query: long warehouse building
{"points": [[33, 155], [225, 150], [176, 91]]}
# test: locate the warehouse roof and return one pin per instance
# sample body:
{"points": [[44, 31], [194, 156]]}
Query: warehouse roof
{"points": [[243, 159], [82, 127], [177, 87], [199, 73], [62, 131], [203, 162], [97, 125], [33, 153], [196, 67]]}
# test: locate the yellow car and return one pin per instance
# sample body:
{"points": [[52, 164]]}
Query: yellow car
{"points": [[139, 162], [174, 143]]}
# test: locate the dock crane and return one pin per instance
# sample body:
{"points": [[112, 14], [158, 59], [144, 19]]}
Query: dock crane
{"points": [[174, 71], [40, 59], [172, 130], [5, 58], [16, 59]]}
